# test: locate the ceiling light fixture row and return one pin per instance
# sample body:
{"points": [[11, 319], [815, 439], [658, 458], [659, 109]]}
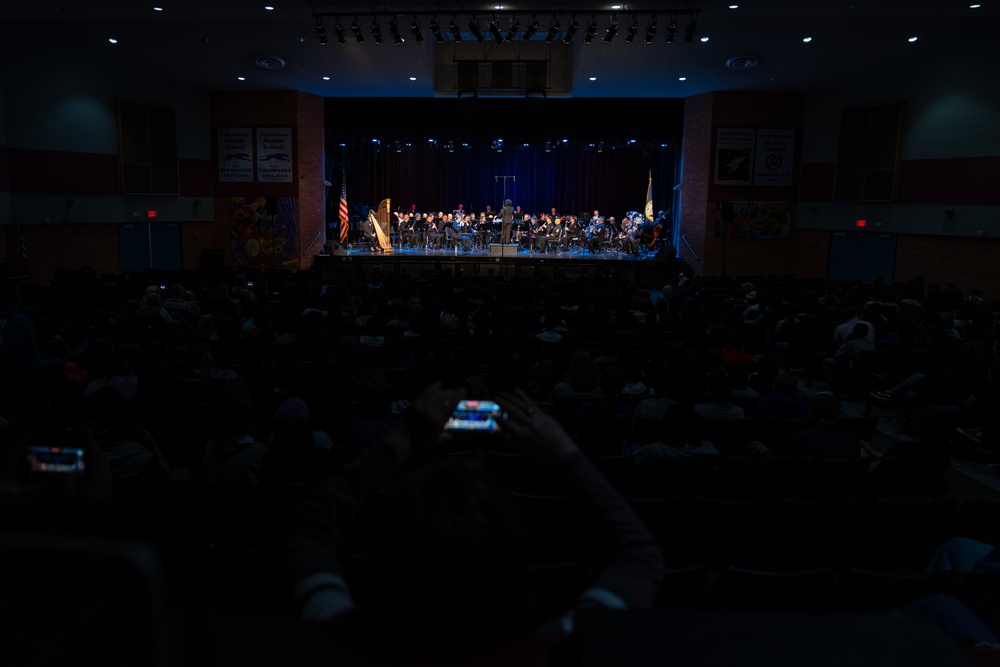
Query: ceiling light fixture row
{"points": [[505, 27], [398, 145]]}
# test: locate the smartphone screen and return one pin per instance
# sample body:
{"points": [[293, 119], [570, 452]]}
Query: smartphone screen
{"points": [[43, 458], [475, 415]]}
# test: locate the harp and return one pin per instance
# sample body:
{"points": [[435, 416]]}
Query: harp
{"points": [[380, 220]]}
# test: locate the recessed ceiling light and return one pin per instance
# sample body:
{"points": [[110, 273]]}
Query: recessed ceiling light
{"points": [[912, 39], [593, 78], [734, 6], [704, 39], [807, 39], [616, 6], [157, 9], [682, 78], [975, 6], [326, 78], [269, 8], [413, 78], [112, 40]]}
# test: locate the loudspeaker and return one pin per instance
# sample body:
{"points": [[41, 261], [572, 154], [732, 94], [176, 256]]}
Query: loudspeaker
{"points": [[334, 248]]}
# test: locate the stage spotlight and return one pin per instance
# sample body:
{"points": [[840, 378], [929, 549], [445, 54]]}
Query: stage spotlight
{"points": [[339, 29], [474, 29], [612, 30], [650, 30], [356, 30], [376, 31], [436, 30], [553, 30], [690, 30], [453, 27], [632, 29], [532, 28], [671, 30], [600, 146], [548, 146], [571, 31], [320, 31], [588, 37], [495, 30], [394, 31], [415, 29], [515, 25]]}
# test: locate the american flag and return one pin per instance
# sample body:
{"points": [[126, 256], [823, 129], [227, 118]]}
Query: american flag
{"points": [[343, 211]]}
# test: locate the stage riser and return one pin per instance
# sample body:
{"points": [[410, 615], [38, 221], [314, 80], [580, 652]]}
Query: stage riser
{"points": [[647, 274]]}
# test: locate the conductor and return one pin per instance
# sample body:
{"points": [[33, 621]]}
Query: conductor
{"points": [[506, 218]]}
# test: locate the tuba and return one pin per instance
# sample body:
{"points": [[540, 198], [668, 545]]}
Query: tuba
{"points": [[380, 220]]}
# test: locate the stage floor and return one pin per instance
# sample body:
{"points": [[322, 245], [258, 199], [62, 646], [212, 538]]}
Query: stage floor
{"points": [[646, 270], [608, 255]]}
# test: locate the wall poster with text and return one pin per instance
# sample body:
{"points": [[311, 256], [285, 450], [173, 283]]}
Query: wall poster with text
{"points": [[753, 219], [274, 155], [775, 158], [734, 150], [235, 154], [264, 231]]}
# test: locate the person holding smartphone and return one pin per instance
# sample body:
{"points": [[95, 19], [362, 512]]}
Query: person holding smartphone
{"points": [[446, 572]]}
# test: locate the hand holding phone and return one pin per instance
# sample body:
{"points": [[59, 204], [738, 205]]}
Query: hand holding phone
{"points": [[58, 460], [475, 415]]}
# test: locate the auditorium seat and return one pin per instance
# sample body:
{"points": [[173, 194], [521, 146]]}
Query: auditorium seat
{"points": [[794, 590]]}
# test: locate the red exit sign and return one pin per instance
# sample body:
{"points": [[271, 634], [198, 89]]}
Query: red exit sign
{"points": [[862, 223]]}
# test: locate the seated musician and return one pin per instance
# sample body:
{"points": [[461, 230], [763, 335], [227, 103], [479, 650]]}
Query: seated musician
{"points": [[483, 230], [435, 232], [406, 223], [598, 234], [463, 232], [555, 237], [415, 239], [631, 229], [368, 231], [540, 234], [572, 233]]}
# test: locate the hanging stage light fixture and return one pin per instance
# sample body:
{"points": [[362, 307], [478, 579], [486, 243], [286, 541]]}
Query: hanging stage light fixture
{"points": [[612, 30]]}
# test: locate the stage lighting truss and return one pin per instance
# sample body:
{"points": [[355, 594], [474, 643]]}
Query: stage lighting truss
{"points": [[513, 26]]}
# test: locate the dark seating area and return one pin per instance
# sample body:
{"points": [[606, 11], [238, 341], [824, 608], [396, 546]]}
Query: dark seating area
{"points": [[306, 375]]}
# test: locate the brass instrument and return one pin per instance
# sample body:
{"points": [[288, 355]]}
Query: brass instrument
{"points": [[380, 221]]}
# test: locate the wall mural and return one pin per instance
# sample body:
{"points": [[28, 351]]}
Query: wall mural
{"points": [[753, 219], [264, 231]]}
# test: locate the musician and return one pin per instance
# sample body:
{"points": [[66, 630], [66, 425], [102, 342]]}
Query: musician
{"points": [[463, 232], [406, 223], [572, 232], [368, 231], [556, 232], [631, 229], [483, 231], [507, 220], [597, 235], [435, 232], [540, 234]]}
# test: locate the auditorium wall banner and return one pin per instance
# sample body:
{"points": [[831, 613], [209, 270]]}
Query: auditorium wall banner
{"points": [[264, 232], [760, 157], [255, 155]]}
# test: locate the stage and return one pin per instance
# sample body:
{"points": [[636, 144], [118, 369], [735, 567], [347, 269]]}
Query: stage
{"points": [[647, 270]]}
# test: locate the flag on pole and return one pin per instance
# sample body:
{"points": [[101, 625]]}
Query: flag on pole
{"points": [[649, 197], [344, 226]]}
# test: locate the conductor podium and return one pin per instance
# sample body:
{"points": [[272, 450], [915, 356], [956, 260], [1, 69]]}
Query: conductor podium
{"points": [[503, 249]]}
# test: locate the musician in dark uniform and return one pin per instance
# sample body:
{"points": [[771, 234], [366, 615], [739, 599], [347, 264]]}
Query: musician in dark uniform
{"points": [[540, 234], [507, 220], [435, 231], [597, 235], [368, 231], [556, 232], [572, 232]]}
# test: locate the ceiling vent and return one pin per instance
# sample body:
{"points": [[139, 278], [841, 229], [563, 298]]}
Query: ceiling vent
{"points": [[740, 63], [270, 62]]}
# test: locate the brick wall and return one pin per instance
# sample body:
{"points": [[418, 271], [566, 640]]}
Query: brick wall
{"points": [[695, 178], [312, 190], [54, 246], [970, 263]]}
